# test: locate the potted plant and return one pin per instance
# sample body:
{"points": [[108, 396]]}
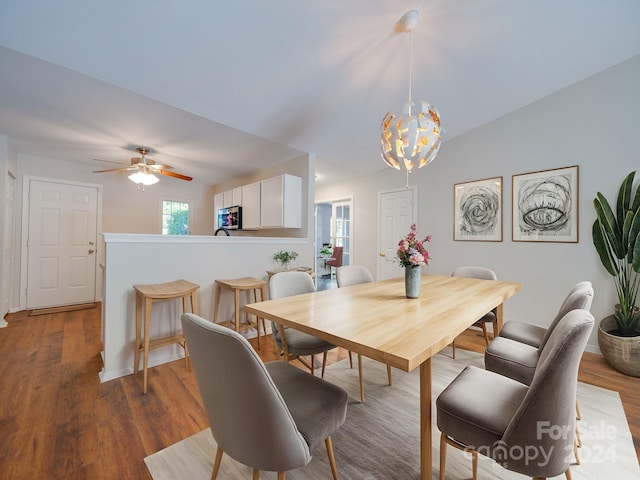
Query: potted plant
{"points": [[284, 258], [616, 237], [326, 251]]}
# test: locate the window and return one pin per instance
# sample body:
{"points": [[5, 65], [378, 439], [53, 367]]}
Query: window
{"points": [[175, 218]]}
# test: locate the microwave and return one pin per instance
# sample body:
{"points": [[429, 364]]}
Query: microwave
{"points": [[230, 218]]}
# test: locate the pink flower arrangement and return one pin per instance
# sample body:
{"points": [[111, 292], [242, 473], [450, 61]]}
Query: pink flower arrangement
{"points": [[411, 251]]}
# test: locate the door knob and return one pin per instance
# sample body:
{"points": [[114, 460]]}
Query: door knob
{"points": [[91, 251], [382, 254]]}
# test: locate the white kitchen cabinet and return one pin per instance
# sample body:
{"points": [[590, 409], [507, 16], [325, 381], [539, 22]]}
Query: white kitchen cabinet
{"points": [[281, 202], [218, 203], [228, 199], [236, 197], [251, 206]]}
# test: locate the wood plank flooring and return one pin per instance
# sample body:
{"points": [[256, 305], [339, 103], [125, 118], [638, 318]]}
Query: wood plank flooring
{"points": [[58, 421]]}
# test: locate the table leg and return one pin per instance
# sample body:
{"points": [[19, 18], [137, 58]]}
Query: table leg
{"points": [[194, 302], [136, 354], [426, 447], [147, 329], [499, 320], [236, 300], [216, 303]]}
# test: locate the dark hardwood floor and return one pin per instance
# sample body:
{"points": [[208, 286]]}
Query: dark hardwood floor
{"points": [[58, 421]]}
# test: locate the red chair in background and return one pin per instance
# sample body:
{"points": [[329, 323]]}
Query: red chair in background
{"points": [[335, 260]]}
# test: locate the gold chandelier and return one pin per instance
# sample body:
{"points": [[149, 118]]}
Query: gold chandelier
{"points": [[412, 138]]}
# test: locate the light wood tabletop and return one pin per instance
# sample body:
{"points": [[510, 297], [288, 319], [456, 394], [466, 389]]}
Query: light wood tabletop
{"points": [[377, 320]]}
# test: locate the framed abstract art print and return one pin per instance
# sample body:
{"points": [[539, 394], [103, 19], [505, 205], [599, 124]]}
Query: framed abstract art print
{"points": [[545, 206], [478, 210]]}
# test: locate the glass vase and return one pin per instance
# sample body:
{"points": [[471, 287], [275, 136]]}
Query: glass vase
{"points": [[412, 278]]}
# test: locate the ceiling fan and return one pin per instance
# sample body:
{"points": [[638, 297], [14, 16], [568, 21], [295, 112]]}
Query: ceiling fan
{"points": [[144, 169]]}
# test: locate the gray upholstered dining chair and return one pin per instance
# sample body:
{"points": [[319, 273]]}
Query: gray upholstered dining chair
{"points": [[292, 343], [492, 316], [266, 416], [518, 360], [515, 424], [353, 275], [535, 335]]}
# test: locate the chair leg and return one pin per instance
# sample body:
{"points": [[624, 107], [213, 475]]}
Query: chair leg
{"points": [[256, 474], [575, 451], [350, 360], [453, 346], [313, 364], [450, 441], [216, 464], [282, 475], [484, 331], [474, 465], [578, 415], [568, 474], [324, 364], [389, 374], [443, 455], [332, 458], [578, 441], [360, 375]]}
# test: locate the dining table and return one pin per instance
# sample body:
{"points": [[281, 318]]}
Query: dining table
{"points": [[377, 320]]}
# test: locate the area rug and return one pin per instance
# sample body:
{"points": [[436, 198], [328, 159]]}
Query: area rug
{"points": [[379, 439]]}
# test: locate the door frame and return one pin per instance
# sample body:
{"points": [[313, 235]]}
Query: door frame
{"points": [[339, 199], [26, 180]]}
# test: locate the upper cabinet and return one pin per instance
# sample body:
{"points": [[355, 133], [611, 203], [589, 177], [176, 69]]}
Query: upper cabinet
{"points": [[281, 202], [272, 203], [232, 198], [251, 206]]}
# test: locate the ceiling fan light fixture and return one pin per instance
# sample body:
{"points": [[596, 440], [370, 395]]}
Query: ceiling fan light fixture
{"points": [[142, 178]]}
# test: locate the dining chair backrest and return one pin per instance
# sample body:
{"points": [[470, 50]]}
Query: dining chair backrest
{"points": [[336, 257], [544, 423], [480, 273], [352, 275], [579, 297], [286, 284], [249, 418]]}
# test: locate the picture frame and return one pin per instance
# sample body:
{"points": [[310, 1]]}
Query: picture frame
{"points": [[545, 206], [478, 210]]}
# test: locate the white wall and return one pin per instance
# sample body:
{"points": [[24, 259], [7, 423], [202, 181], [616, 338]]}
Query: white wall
{"points": [[592, 124], [151, 259]]}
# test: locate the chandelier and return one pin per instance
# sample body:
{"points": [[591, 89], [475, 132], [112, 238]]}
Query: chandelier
{"points": [[412, 138]]}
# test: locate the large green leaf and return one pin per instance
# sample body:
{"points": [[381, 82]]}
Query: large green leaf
{"points": [[635, 264], [624, 197], [635, 205], [609, 225], [634, 238], [604, 249]]}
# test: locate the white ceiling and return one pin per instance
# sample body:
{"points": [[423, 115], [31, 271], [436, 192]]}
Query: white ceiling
{"points": [[217, 89]]}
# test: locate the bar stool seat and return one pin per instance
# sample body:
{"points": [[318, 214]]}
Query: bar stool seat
{"points": [[238, 285], [147, 295]]}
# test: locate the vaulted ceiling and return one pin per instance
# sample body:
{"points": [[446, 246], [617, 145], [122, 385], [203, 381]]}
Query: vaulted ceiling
{"points": [[218, 89]]}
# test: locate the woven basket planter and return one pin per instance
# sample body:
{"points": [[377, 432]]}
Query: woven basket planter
{"points": [[622, 353]]}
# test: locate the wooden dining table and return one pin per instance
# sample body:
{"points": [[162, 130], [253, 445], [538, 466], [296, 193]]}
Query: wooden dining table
{"points": [[377, 320]]}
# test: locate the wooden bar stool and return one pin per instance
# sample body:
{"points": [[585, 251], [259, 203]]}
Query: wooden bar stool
{"points": [[147, 294], [238, 285]]}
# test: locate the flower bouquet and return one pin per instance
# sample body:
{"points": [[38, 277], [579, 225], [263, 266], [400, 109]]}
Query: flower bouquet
{"points": [[412, 255]]}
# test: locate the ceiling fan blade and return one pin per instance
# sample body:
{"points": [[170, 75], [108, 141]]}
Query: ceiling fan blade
{"points": [[110, 161], [124, 169], [175, 175], [160, 167]]}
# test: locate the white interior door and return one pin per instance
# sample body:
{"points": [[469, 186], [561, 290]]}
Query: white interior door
{"points": [[61, 245], [397, 212]]}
